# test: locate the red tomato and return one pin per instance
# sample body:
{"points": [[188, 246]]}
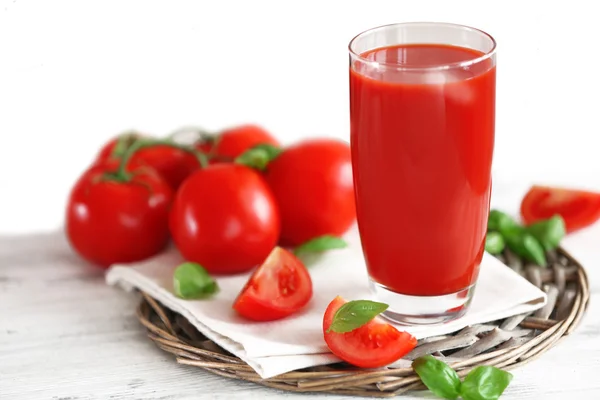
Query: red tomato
{"points": [[312, 182], [578, 208], [172, 164], [232, 142], [111, 222], [373, 345], [278, 288], [224, 217]]}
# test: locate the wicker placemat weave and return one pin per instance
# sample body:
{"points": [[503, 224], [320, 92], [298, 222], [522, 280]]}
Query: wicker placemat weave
{"points": [[506, 343]]}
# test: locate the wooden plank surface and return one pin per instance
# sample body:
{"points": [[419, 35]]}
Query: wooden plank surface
{"points": [[65, 335]]}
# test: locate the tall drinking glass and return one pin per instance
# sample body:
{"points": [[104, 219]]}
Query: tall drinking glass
{"points": [[422, 104]]}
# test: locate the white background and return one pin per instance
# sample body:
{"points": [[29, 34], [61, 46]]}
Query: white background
{"points": [[75, 73]]}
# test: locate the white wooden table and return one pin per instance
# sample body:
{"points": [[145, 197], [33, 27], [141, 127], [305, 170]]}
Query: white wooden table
{"points": [[65, 335]]}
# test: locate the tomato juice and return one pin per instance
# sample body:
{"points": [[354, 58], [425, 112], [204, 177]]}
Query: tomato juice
{"points": [[422, 139]]}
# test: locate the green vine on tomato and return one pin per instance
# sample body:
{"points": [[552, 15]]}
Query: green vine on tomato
{"points": [[134, 177], [123, 143], [122, 175]]}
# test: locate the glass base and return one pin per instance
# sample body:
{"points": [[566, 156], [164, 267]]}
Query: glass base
{"points": [[422, 310]]}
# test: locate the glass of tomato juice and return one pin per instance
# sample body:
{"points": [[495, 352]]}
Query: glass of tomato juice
{"points": [[422, 109]]}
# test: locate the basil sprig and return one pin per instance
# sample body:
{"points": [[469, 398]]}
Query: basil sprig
{"points": [[192, 281], [526, 246], [482, 383], [548, 232], [494, 243], [354, 314], [529, 242], [442, 380], [485, 383], [320, 244]]}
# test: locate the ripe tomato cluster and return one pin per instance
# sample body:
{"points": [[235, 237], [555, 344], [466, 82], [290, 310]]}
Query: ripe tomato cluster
{"points": [[227, 201]]}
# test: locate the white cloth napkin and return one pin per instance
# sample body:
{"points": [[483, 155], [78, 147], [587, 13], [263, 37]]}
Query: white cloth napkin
{"points": [[276, 347]]}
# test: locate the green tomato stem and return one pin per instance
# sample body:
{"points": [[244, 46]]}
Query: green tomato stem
{"points": [[124, 141], [122, 173], [259, 156]]}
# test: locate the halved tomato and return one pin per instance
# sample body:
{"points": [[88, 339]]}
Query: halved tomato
{"points": [[577, 207], [278, 288], [375, 344]]}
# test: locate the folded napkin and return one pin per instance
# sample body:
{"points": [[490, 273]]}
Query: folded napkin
{"points": [[273, 348]]}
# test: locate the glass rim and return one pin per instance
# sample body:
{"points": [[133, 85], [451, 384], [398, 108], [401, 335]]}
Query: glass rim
{"points": [[441, 67]]}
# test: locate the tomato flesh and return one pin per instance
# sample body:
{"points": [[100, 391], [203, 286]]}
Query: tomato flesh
{"points": [[578, 208], [278, 288], [375, 344]]}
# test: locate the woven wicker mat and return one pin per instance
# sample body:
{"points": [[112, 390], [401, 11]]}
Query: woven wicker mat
{"points": [[506, 343]]}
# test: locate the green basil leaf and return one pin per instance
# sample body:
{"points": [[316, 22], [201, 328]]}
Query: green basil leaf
{"points": [[259, 156], [549, 232], [485, 383], [191, 281], [320, 244], [494, 243], [526, 246], [355, 314], [438, 376], [501, 222]]}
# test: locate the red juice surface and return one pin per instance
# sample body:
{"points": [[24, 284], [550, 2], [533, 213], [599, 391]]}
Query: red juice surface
{"points": [[422, 145]]}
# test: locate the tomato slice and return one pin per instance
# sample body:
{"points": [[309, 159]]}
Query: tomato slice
{"points": [[578, 208], [278, 288], [375, 344]]}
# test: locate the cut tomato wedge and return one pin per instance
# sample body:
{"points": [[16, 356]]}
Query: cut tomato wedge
{"points": [[278, 288], [578, 208], [375, 344]]}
